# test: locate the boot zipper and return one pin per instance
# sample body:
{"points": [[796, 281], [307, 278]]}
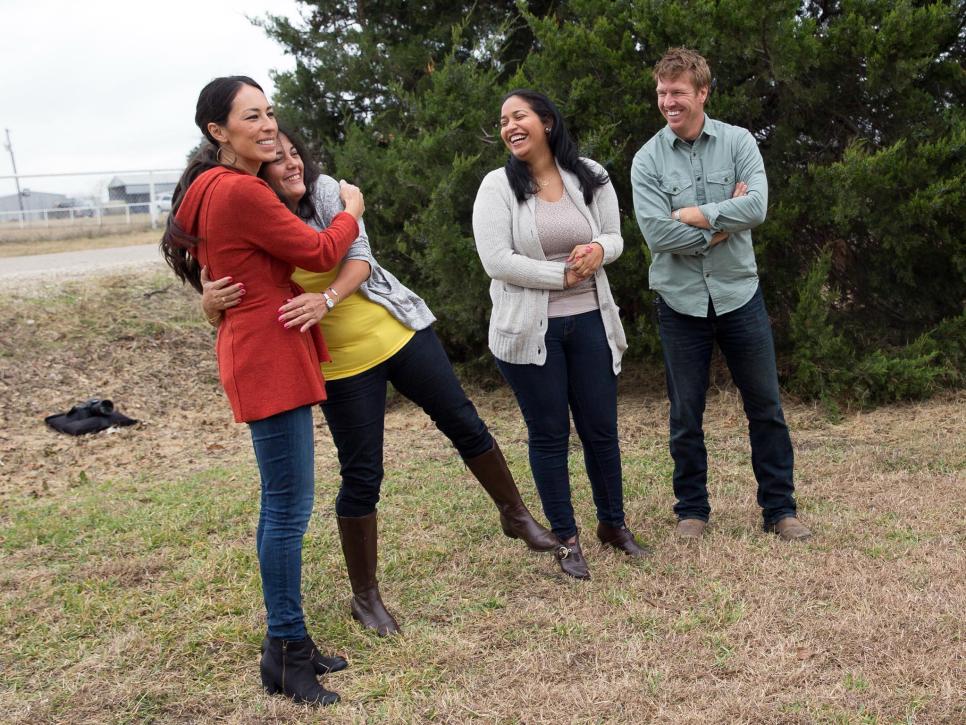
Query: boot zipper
{"points": [[284, 658]]}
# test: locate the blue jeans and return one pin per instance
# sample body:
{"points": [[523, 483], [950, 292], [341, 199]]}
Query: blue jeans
{"points": [[284, 449], [577, 377], [356, 413], [744, 336]]}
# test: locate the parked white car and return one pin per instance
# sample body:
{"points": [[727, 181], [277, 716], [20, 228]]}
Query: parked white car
{"points": [[163, 201]]}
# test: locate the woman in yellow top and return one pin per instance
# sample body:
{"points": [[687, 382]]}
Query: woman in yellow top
{"points": [[377, 332]]}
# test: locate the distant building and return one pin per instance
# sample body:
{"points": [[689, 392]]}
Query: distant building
{"points": [[136, 188], [34, 202]]}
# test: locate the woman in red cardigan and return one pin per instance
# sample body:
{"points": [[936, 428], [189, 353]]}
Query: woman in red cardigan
{"points": [[229, 220]]}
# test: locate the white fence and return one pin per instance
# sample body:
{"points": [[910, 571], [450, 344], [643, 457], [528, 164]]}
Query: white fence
{"points": [[73, 201], [89, 215]]}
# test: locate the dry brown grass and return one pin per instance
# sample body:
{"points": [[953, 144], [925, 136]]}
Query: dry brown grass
{"points": [[128, 590]]}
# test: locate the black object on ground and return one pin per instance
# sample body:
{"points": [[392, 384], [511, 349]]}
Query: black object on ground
{"points": [[90, 416]]}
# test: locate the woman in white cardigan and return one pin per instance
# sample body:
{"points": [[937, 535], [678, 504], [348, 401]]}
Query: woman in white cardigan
{"points": [[545, 226]]}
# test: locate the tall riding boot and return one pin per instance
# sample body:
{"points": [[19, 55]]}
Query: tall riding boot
{"points": [[287, 668], [493, 474], [360, 547]]}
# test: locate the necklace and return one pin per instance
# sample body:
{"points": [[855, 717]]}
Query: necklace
{"points": [[543, 184]]}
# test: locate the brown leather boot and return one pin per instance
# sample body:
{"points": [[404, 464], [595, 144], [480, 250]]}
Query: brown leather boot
{"points": [[359, 545], [621, 539], [493, 474]]}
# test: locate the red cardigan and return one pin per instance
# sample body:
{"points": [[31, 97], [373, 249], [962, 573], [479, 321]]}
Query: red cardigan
{"points": [[247, 233]]}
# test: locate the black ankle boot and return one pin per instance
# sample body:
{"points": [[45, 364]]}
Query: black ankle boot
{"points": [[287, 668], [323, 664]]}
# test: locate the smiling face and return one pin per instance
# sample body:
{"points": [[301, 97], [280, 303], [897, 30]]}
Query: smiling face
{"points": [[250, 131], [285, 173], [522, 130], [682, 105]]}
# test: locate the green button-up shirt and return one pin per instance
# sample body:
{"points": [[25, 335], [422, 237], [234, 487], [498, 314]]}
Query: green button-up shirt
{"points": [[669, 173]]}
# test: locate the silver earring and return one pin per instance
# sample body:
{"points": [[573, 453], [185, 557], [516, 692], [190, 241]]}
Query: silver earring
{"points": [[219, 159], [547, 129]]}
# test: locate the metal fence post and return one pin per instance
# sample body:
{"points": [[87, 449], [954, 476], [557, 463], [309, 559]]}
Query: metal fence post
{"points": [[152, 205]]}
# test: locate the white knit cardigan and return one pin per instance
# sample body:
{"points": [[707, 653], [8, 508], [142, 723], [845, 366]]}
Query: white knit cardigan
{"points": [[506, 240]]}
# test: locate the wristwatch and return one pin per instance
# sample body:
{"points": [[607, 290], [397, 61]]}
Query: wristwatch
{"points": [[676, 215], [329, 302]]}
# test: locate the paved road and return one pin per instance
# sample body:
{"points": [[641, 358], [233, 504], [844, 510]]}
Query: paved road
{"points": [[38, 267]]}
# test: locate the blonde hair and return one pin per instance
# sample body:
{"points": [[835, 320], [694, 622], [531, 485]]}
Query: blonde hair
{"points": [[678, 61]]}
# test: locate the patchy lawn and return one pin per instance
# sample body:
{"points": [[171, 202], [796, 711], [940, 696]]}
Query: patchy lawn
{"points": [[129, 589]]}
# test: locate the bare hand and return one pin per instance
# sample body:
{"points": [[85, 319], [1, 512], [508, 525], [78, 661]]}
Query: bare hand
{"points": [[741, 189], [718, 237], [220, 294], [352, 197], [306, 310], [585, 259], [571, 278]]}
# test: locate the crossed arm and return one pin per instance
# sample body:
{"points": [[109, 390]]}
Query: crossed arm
{"points": [[693, 230]]}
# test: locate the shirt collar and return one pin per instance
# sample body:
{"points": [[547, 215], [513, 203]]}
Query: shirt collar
{"points": [[710, 128]]}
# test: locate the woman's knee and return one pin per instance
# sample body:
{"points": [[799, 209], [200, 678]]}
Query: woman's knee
{"points": [[357, 499]]}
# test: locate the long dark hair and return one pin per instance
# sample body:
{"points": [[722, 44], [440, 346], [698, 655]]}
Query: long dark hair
{"points": [[562, 147], [214, 105], [305, 209]]}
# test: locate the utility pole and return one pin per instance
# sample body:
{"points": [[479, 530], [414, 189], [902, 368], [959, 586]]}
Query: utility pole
{"points": [[9, 147]]}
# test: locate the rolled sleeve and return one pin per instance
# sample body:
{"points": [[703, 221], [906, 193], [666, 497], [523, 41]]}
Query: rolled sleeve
{"points": [[745, 212]]}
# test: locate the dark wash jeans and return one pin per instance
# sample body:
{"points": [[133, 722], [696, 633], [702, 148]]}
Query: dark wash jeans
{"points": [[284, 449], [744, 336], [356, 413], [577, 377]]}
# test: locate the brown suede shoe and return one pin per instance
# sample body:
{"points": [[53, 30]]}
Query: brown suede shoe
{"points": [[790, 529], [621, 539], [690, 529]]}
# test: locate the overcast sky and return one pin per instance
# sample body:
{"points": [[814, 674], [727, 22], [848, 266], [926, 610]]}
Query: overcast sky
{"points": [[107, 85]]}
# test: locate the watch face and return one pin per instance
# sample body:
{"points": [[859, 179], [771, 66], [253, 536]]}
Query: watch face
{"points": [[329, 302]]}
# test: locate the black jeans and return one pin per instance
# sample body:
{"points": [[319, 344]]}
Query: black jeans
{"points": [[744, 336], [577, 377], [356, 413]]}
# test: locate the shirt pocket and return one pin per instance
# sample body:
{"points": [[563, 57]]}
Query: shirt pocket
{"points": [[721, 184], [680, 191]]}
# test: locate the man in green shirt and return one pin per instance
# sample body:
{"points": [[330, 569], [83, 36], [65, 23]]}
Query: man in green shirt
{"points": [[699, 189]]}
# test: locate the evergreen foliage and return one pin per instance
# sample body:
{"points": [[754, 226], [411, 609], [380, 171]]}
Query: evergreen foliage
{"points": [[856, 105]]}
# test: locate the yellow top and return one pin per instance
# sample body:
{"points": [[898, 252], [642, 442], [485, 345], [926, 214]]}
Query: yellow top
{"points": [[359, 333]]}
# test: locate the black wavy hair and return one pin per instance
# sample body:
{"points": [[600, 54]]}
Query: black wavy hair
{"points": [[562, 147], [214, 105], [305, 209]]}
